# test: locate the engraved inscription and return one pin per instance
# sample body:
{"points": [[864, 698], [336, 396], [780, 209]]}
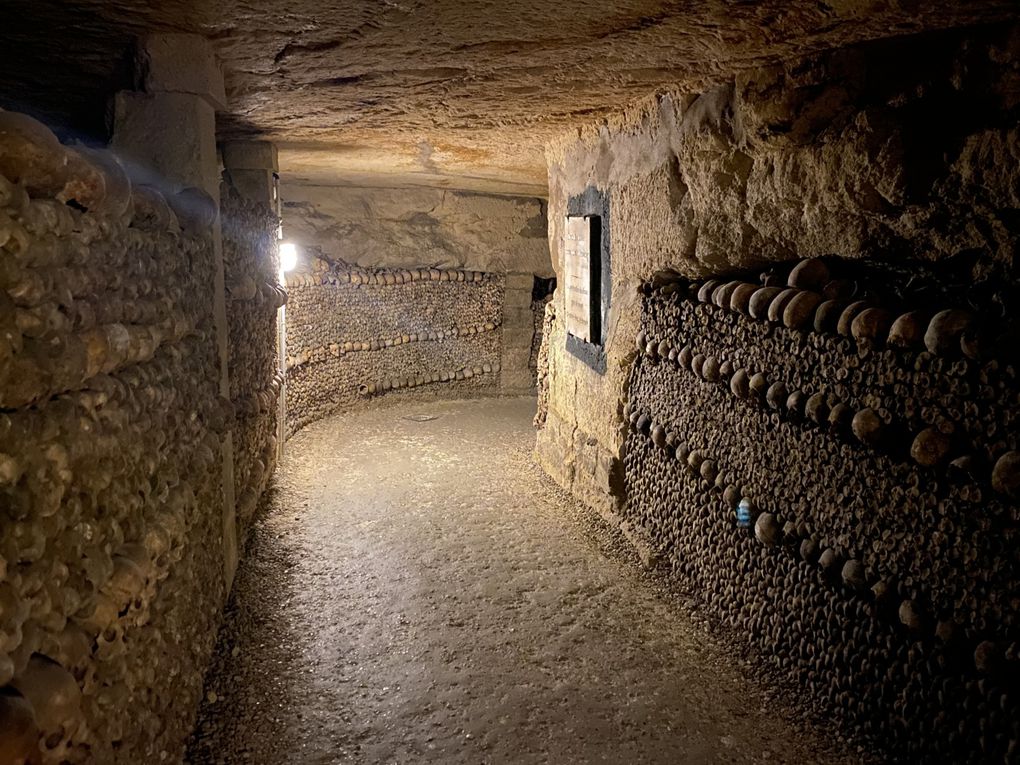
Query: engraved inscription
{"points": [[577, 270]]}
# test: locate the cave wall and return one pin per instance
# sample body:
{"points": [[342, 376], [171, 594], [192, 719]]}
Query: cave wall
{"points": [[357, 337], [400, 286], [899, 150], [254, 296], [901, 159], [112, 557], [415, 227]]}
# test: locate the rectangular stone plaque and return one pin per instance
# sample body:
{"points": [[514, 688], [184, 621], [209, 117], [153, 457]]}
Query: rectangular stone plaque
{"points": [[577, 272], [586, 277]]}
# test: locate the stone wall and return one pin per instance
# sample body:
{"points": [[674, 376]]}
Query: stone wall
{"points": [[252, 270], [112, 557], [895, 150], [868, 435], [898, 156], [410, 228], [356, 337]]}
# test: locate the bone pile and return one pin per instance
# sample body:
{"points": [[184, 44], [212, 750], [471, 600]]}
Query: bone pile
{"points": [[254, 295], [110, 430], [542, 364], [355, 336], [538, 312], [872, 440]]}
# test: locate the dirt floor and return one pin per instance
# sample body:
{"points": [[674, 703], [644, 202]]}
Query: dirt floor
{"points": [[419, 591]]}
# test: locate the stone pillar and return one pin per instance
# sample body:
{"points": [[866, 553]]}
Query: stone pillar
{"points": [[253, 168], [518, 332], [165, 133]]}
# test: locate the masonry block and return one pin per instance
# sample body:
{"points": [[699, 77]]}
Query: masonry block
{"points": [[251, 155], [167, 140], [181, 63]]}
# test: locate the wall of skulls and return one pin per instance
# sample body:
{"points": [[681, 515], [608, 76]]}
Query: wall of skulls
{"points": [[538, 309], [542, 364], [866, 428], [111, 559], [360, 336], [254, 296], [903, 150]]}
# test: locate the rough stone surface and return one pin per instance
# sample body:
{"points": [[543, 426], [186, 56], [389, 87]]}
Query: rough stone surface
{"points": [[519, 329], [252, 167], [437, 91], [827, 155], [164, 122], [181, 63], [430, 596], [418, 227], [893, 150]]}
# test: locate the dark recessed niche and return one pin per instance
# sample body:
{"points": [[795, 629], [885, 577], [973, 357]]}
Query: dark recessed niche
{"points": [[543, 288], [586, 281]]}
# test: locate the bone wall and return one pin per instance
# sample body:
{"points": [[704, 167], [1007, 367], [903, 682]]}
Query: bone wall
{"points": [[252, 267], [356, 337], [542, 364], [901, 151], [869, 437], [111, 557], [907, 170], [538, 322]]}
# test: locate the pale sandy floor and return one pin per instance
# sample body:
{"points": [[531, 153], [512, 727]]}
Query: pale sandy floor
{"points": [[421, 592]]}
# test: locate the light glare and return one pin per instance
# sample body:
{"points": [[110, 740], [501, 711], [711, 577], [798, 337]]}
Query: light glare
{"points": [[288, 256]]}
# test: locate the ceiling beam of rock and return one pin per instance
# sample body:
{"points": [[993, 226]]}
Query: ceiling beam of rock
{"points": [[441, 93]]}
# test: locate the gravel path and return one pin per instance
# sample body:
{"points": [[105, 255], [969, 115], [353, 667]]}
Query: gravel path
{"points": [[421, 592]]}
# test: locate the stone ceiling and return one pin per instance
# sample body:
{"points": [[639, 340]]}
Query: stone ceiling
{"points": [[450, 93]]}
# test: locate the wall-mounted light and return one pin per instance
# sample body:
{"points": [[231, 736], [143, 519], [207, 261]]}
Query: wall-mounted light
{"points": [[288, 256]]}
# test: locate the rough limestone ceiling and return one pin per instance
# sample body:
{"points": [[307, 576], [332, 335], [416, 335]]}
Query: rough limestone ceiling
{"points": [[442, 92]]}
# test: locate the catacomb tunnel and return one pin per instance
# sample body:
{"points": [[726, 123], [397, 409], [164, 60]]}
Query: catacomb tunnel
{"points": [[461, 381]]}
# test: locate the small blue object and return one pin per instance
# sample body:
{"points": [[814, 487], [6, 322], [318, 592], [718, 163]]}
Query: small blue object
{"points": [[744, 514]]}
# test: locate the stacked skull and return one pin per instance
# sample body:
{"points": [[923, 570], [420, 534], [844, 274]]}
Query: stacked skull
{"points": [[111, 558], [875, 443], [355, 335], [254, 296]]}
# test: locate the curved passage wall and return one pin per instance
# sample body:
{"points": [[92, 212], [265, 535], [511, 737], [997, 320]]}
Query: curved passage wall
{"points": [[356, 337]]}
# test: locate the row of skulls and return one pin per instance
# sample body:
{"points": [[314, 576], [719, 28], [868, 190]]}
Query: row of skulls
{"points": [[347, 342], [793, 471], [327, 314], [335, 350], [110, 468]]}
